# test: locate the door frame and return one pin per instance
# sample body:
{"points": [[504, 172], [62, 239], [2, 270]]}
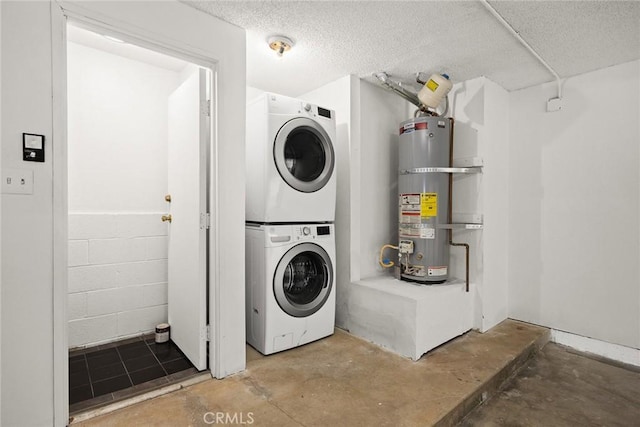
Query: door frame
{"points": [[61, 15]]}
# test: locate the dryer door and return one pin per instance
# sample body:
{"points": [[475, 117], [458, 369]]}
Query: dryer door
{"points": [[303, 280], [303, 153]]}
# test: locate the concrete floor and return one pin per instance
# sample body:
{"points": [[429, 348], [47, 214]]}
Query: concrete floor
{"points": [[343, 380], [563, 388]]}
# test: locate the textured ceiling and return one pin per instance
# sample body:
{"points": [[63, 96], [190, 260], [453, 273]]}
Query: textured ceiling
{"points": [[461, 38]]}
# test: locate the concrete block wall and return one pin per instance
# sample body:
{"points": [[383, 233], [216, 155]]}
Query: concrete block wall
{"points": [[117, 276]]}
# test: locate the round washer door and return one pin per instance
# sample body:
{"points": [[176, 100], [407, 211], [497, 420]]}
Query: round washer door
{"points": [[303, 280], [303, 154]]}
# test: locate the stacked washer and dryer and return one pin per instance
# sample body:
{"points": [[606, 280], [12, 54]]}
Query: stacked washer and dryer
{"points": [[290, 210]]}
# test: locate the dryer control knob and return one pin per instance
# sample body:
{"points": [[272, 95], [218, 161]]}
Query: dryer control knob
{"points": [[307, 107], [306, 231]]}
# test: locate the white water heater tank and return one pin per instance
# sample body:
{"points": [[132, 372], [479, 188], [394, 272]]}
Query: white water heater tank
{"points": [[436, 88]]}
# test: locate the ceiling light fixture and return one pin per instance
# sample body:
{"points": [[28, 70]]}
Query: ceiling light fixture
{"points": [[280, 44]]}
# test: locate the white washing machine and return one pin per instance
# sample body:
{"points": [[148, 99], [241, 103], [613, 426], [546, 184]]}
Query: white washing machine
{"points": [[290, 160], [290, 289]]}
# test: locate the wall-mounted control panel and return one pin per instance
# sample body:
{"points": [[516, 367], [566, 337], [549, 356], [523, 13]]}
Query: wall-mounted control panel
{"points": [[32, 147]]}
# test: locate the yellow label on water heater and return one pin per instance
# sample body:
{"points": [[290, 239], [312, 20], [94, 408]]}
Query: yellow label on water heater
{"points": [[428, 205], [432, 85]]}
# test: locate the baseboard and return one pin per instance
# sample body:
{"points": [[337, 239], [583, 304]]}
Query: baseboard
{"points": [[615, 352]]}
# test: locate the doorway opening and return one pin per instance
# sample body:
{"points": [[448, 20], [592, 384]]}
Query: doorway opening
{"points": [[139, 135]]}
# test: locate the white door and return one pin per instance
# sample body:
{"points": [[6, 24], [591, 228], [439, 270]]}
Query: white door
{"points": [[188, 125]]}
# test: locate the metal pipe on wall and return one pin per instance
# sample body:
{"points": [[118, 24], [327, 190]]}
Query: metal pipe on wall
{"points": [[397, 88]]}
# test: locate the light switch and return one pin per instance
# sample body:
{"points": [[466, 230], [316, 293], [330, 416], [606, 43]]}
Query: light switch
{"points": [[17, 181]]}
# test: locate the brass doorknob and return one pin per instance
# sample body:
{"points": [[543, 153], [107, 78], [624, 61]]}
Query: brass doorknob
{"points": [[166, 218]]}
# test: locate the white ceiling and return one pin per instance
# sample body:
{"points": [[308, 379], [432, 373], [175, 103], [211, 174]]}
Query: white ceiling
{"points": [[461, 38]]}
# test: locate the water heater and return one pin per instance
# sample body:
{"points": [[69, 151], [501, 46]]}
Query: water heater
{"points": [[423, 187]]}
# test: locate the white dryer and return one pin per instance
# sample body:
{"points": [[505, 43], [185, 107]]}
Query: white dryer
{"points": [[290, 160], [290, 289]]}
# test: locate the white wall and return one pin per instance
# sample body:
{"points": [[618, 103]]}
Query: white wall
{"points": [[117, 163], [117, 276], [381, 112], [253, 93], [494, 150], [27, 221], [117, 132], [337, 96], [27, 255], [574, 208], [0, 218], [480, 108]]}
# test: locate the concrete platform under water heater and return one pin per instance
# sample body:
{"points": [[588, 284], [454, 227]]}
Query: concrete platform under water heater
{"points": [[406, 318]]}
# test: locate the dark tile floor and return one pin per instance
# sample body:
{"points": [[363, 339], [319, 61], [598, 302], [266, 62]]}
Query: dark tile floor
{"points": [[118, 370]]}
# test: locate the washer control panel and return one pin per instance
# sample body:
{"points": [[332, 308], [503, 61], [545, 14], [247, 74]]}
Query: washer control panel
{"points": [[310, 232]]}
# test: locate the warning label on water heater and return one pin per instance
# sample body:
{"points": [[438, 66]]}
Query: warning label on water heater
{"points": [[410, 208], [421, 233], [428, 205], [437, 270], [415, 206]]}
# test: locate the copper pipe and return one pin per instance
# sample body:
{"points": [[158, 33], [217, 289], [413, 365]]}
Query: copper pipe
{"points": [[450, 212], [466, 247]]}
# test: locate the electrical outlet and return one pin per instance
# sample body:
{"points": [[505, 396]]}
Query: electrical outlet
{"points": [[17, 181], [554, 104]]}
